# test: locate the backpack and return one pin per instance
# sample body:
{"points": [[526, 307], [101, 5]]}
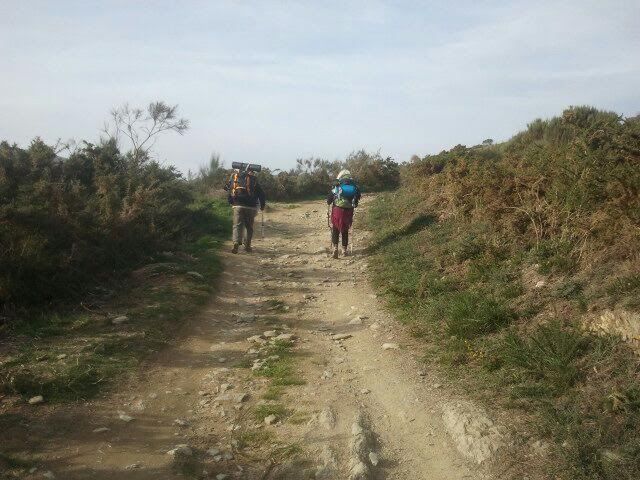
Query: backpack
{"points": [[242, 185], [345, 192]]}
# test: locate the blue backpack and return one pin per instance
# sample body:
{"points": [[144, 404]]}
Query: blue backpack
{"points": [[347, 191]]}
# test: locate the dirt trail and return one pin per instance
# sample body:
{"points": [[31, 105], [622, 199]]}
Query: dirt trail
{"points": [[360, 404]]}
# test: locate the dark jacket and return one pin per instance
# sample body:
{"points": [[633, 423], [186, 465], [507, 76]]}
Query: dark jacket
{"points": [[252, 201]]}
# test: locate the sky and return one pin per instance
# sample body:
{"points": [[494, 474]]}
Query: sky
{"points": [[272, 81]]}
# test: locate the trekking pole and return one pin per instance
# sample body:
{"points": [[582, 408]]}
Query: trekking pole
{"points": [[353, 231], [262, 223], [329, 225]]}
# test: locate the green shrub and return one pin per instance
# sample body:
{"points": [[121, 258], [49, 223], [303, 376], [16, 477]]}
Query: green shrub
{"points": [[548, 355], [66, 224], [471, 314]]}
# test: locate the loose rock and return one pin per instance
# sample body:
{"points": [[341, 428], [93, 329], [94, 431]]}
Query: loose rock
{"points": [[341, 336], [182, 449], [36, 400], [390, 346]]}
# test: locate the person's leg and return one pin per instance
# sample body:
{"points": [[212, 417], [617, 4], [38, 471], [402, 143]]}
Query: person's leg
{"points": [[345, 242], [334, 241], [250, 215], [238, 228]]}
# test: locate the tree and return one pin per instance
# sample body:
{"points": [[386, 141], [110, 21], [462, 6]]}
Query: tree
{"points": [[487, 142], [141, 127]]}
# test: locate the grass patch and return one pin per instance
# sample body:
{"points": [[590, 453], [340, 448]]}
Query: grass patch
{"points": [[274, 392], [280, 370], [546, 360], [470, 314], [263, 411]]}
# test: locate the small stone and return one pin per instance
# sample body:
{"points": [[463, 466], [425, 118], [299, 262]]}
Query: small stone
{"points": [[36, 400], [270, 419], [355, 321], [62, 356], [213, 452], [222, 360], [222, 476], [374, 326], [133, 466], [224, 387], [422, 373], [125, 418], [153, 395], [242, 397], [437, 385], [270, 334], [256, 339], [373, 458], [49, 474], [101, 430], [390, 346], [227, 456], [182, 449], [285, 337], [364, 391], [540, 284], [181, 423], [341, 336], [120, 319]]}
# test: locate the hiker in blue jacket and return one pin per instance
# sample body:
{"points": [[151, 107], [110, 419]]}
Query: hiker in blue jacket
{"points": [[343, 198]]}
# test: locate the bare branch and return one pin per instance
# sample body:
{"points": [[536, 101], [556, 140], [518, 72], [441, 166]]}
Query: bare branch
{"points": [[141, 127]]}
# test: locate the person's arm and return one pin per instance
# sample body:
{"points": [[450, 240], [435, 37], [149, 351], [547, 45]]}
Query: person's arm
{"points": [[330, 198], [356, 199], [261, 197], [227, 188]]}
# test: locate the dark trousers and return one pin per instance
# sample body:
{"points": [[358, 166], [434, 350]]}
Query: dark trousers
{"points": [[335, 234]]}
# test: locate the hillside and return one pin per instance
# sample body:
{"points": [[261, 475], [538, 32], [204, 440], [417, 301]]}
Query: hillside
{"points": [[519, 266]]}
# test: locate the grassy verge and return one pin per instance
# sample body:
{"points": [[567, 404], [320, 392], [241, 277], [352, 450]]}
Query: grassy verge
{"points": [[74, 353], [468, 295]]}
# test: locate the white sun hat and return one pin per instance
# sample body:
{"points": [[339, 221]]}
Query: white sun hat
{"points": [[343, 173]]}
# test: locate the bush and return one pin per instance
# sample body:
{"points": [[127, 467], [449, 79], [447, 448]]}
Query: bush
{"points": [[568, 187], [66, 223], [311, 177]]}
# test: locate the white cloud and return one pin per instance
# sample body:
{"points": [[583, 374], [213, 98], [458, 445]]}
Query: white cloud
{"points": [[272, 81]]}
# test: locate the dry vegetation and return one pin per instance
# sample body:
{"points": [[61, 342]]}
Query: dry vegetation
{"points": [[497, 254]]}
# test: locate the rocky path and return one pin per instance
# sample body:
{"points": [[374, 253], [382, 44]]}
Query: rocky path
{"points": [[293, 371]]}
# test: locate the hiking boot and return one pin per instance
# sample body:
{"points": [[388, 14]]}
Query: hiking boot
{"points": [[345, 252], [335, 251], [235, 248], [248, 249]]}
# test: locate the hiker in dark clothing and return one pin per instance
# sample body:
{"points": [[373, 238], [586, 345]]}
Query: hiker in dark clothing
{"points": [[244, 195], [343, 198]]}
